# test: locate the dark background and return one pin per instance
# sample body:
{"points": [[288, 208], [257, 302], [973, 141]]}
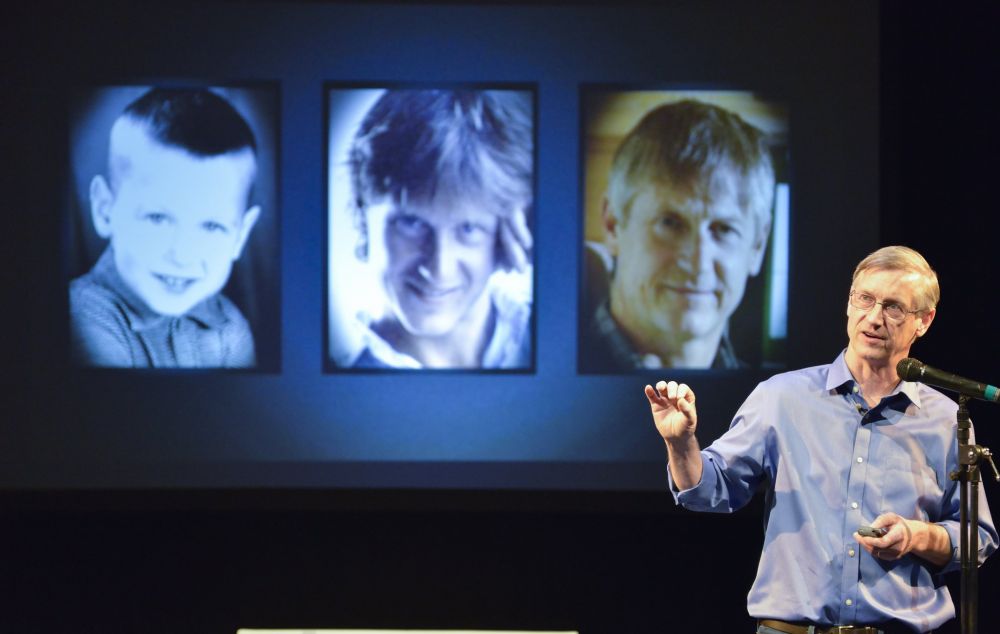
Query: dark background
{"points": [[211, 561]]}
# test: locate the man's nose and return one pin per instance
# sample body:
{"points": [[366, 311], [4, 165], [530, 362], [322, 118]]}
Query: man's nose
{"points": [[439, 261], [875, 314], [699, 251]]}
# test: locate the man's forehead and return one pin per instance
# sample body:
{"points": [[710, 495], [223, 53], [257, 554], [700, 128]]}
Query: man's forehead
{"points": [[442, 206], [893, 282], [691, 177], [718, 194]]}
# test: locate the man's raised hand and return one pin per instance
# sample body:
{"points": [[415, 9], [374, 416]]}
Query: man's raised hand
{"points": [[673, 409]]}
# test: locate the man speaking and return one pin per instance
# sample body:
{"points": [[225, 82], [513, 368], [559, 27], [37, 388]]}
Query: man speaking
{"points": [[834, 448]]}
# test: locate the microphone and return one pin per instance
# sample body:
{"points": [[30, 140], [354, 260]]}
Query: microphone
{"points": [[913, 370]]}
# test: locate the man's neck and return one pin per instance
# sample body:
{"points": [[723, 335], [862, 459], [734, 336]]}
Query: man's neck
{"points": [[693, 353], [671, 350], [462, 347], [876, 380]]}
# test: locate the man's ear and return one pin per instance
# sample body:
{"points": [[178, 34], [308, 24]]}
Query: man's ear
{"points": [[924, 321], [759, 247], [611, 227], [249, 220], [101, 200]]}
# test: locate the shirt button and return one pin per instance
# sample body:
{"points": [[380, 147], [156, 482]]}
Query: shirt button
{"points": [[854, 505], [855, 390], [850, 553], [849, 602], [860, 459]]}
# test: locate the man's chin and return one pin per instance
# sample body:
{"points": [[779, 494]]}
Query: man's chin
{"points": [[871, 352], [420, 321], [698, 324], [429, 328]]}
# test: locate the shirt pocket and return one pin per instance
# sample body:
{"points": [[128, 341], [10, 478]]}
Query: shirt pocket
{"points": [[909, 487]]}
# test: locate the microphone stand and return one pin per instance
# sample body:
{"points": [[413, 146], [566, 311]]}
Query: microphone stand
{"points": [[967, 476]]}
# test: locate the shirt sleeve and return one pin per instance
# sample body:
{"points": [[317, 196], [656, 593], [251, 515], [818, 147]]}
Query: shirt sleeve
{"points": [[734, 465]]}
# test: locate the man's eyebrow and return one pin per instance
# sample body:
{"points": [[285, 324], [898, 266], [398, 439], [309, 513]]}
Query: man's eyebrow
{"points": [[885, 300], [730, 212], [671, 209], [730, 218]]}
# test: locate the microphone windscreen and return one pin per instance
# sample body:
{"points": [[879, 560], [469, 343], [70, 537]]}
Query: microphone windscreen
{"points": [[909, 369]]}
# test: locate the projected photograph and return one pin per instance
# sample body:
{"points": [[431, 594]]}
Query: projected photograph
{"points": [[685, 240], [172, 227], [430, 221]]}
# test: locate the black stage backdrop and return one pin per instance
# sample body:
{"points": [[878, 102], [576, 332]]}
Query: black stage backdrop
{"points": [[191, 562]]}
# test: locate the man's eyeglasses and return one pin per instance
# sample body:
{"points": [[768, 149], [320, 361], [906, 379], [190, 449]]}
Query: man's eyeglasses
{"points": [[891, 310]]}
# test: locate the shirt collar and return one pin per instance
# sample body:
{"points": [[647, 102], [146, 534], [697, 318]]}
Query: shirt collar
{"points": [[840, 378], [138, 313], [911, 390]]}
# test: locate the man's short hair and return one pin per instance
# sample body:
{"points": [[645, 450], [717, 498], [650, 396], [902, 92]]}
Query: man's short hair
{"points": [[907, 260], [421, 144], [687, 142], [195, 120]]}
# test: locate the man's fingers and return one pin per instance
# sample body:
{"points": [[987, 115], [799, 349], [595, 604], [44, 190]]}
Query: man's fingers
{"points": [[519, 225], [656, 396], [885, 520], [515, 236], [672, 390], [514, 249], [672, 394], [882, 548], [899, 533], [685, 392], [895, 543], [652, 395], [660, 391]]}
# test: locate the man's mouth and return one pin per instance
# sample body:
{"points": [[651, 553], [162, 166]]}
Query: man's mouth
{"points": [[693, 296], [870, 336], [432, 293], [688, 290], [174, 284]]}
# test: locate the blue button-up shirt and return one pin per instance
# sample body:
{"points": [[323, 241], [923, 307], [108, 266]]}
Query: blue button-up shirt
{"points": [[829, 464]]}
